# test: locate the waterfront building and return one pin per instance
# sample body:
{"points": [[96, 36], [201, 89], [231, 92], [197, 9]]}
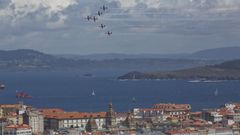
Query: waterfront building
{"points": [[22, 129], [35, 120], [56, 119], [164, 111], [212, 115], [13, 112], [7, 109], [233, 116]]}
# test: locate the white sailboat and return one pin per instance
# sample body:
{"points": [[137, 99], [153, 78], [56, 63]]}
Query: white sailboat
{"points": [[133, 99], [93, 93], [216, 92]]}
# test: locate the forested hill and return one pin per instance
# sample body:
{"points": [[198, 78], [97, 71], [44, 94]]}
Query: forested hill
{"points": [[31, 60], [229, 70]]}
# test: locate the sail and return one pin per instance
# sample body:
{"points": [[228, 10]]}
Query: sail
{"points": [[216, 92], [93, 93]]}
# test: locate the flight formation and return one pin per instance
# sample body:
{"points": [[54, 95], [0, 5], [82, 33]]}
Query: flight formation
{"points": [[102, 10]]}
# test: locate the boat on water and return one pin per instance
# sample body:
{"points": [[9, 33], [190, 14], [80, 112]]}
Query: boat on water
{"points": [[212, 81], [204, 81], [22, 95], [195, 81], [216, 92], [133, 99], [2, 86], [93, 93], [88, 75]]}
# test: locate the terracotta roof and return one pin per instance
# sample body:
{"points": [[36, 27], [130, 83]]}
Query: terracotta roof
{"points": [[10, 105], [51, 110], [172, 107], [195, 113], [180, 131], [150, 109], [60, 114], [195, 122], [23, 126], [161, 109]]}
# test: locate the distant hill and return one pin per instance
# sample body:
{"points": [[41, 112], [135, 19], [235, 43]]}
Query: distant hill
{"points": [[23, 54], [110, 56], [229, 70], [30, 60], [226, 53]]}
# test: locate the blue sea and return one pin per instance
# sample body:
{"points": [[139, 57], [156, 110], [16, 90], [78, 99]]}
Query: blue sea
{"points": [[73, 92]]}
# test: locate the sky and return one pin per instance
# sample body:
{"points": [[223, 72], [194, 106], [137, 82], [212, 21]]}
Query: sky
{"points": [[138, 26]]}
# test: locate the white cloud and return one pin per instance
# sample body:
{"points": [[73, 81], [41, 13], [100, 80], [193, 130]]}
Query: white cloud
{"points": [[16, 10], [54, 25], [60, 23], [177, 4], [128, 3]]}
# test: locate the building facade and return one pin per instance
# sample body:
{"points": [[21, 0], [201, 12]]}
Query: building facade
{"points": [[18, 130], [212, 115], [163, 111], [34, 119], [56, 119]]}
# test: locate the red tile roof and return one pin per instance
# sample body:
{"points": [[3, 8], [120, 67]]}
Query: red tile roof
{"points": [[180, 131], [23, 126], [56, 113], [172, 107], [10, 105]]}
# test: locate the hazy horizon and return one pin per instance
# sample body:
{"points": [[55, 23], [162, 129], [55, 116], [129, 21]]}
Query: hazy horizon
{"points": [[113, 53]]}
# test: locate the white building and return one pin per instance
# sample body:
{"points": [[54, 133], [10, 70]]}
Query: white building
{"points": [[17, 130], [211, 115], [57, 118], [34, 119], [163, 111]]}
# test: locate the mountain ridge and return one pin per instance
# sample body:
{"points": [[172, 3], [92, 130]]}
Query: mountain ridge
{"points": [[28, 60], [223, 53]]}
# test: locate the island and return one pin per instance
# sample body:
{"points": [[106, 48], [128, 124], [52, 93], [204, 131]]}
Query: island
{"points": [[229, 70]]}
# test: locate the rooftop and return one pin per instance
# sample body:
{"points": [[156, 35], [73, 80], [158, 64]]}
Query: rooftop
{"points": [[60, 114], [172, 106], [22, 126]]}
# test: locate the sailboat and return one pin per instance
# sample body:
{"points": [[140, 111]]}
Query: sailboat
{"points": [[2, 86], [93, 93], [133, 99], [216, 92]]}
